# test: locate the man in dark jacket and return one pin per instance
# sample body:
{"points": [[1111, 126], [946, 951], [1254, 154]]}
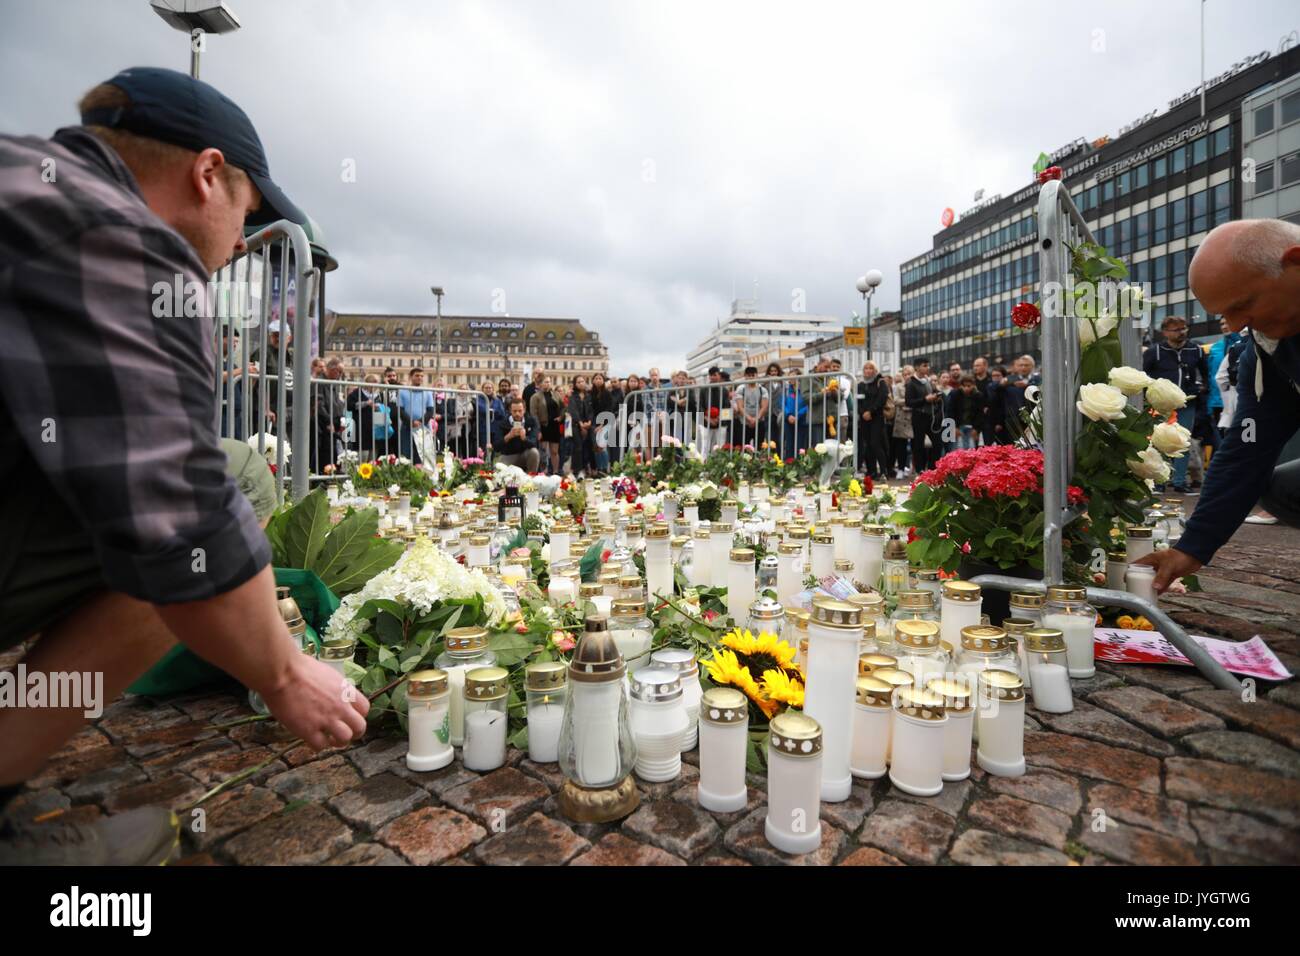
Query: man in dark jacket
{"points": [[873, 449], [926, 408], [1183, 364], [1249, 272], [515, 439], [984, 385]]}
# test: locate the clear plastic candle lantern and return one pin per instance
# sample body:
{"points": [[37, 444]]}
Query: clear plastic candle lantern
{"points": [[872, 606], [842, 533], [632, 631], [658, 722], [740, 583], [917, 742], [563, 587], [1017, 628], [680, 545], [1048, 670], [766, 615], [337, 653], [960, 607], [1068, 611], [1116, 566], [871, 728], [834, 633], [608, 580], [631, 586], [917, 649], [871, 553], [768, 569], [597, 750], [913, 606], [724, 741], [789, 580], [1027, 605], [893, 575], [823, 555], [927, 579], [794, 774], [466, 649], [986, 647], [701, 569], [545, 689], [1001, 701], [486, 690], [682, 661], [428, 721], [1139, 541], [1141, 581], [658, 562], [957, 691]]}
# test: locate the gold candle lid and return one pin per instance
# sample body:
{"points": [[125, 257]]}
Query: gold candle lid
{"points": [[626, 607], [1066, 592], [919, 704], [917, 634], [724, 705], [1044, 640], [790, 547], [480, 540], [487, 683], [926, 574], [961, 591], [1001, 685], [680, 541], [800, 616], [467, 639], [870, 663], [745, 555], [982, 639], [795, 734], [894, 676], [822, 538], [831, 612], [422, 685], [1026, 599], [874, 692], [876, 530], [916, 600], [955, 692], [590, 589], [1139, 531], [801, 532], [338, 649], [629, 580], [720, 527], [1017, 625], [844, 565], [657, 530], [547, 675], [701, 533]]}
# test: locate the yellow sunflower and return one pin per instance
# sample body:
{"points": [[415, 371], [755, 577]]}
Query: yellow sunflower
{"points": [[724, 668], [365, 469], [782, 688], [771, 645]]}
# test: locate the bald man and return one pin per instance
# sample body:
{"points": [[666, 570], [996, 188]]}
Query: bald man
{"points": [[1248, 272]]}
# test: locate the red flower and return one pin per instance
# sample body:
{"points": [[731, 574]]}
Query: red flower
{"points": [[604, 555], [911, 534], [710, 615], [789, 461], [1026, 315], [271, 465], [1075, 495], [867, 484], [1050, 173], [965, 548]]}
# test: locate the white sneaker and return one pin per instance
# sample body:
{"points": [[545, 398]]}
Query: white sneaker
{"points": [[1261, 519]]}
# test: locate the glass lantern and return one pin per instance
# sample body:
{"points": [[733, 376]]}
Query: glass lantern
{"points": [[766, 615], [894, 572], [545, 689], [1048, 667], [466, 650], [632, 631], [1068, 611], [917, 649], [986, 648], [1027, 605], [486, 690], [914, 606]]}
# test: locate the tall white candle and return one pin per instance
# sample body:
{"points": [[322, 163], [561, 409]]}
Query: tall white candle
{"points": [[544, 720], [724, 736], [788, 571], [958, 694], [658, 563], [1116, 567], [684, 663], [794, 756], [871, 554], [960, 606], [919, 730], [692, 512], [1051, 686], [560, 545], [1002, 724], [871, 719], [485, 740], [740, 584], [834, 633], [562, 590], [720, 538], [1138, 543], [595, 732], [701, 560], [428, 721], [842, 533], [823, 555], [1078, 630]]}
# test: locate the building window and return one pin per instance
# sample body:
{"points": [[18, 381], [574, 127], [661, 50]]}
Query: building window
{"points": [[1178, 162], [1160, 168], [1291, 108], [1290, 169], [1263, 178], [1222, 203], [1264, 119], [419, 330], [399, 331], [1200, 150], [1200, 211], [379, 330], [1222, 140]]}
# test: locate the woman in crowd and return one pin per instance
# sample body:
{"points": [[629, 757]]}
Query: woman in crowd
{"points": [[603, 403], [362, 402], [774, 425], [544, 407], [582, 419], [794, 409], [902, 432], [634, 411]]}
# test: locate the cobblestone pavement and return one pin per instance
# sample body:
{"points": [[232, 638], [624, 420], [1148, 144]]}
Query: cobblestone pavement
{"points": [[1181, 772]]}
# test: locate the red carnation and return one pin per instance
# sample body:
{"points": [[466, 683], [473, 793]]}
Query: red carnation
{"points": [[1075, 495], [1050, 173], [1026, 315]]}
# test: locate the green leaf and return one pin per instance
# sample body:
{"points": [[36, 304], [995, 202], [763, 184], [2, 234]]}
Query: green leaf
{"points": [[519, 739], [380, 556], [304, 533], [275, 536], [345, 543], [509, 647], [590, 563]]}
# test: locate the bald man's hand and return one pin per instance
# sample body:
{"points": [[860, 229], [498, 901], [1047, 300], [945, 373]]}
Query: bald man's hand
{"points": [[1170, 564]]}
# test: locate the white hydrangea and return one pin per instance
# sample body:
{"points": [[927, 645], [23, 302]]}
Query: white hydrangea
{"points": [[422, 578]]}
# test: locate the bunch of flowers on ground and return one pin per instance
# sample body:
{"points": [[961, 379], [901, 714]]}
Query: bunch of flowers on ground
{"points": [[386, 473], [763, 667]]}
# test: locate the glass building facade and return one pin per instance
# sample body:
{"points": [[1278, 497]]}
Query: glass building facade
{"points": [[1149, 197]]}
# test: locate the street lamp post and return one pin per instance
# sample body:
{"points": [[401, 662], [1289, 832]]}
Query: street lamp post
{"points": [[437, 361], [197, 18], [867, 286]]}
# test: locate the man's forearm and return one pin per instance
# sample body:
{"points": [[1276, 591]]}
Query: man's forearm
{"points": [[240, 631]]}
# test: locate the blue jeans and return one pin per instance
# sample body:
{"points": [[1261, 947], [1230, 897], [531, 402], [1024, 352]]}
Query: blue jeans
{"points": [[968, 438], [1186, 418]]}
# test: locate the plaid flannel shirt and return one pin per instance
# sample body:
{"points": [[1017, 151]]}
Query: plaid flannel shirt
{"points": [[127, 397]]}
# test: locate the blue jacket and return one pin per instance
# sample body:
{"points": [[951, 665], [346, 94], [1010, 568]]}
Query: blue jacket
{"points": [[1218, 352], [1241, 469], [795, 405]]}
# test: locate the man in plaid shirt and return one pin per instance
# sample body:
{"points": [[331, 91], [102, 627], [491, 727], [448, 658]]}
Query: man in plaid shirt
{"points": [[123, 532]]}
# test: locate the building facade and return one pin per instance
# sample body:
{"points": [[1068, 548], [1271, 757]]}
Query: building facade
{"points": [[1271, 152], [747, 330], [884, 349], [1149, 196], [474, 348], [786, 356]]}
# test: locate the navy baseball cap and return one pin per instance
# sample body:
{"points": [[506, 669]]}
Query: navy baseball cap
{"points": [[175, 108]]}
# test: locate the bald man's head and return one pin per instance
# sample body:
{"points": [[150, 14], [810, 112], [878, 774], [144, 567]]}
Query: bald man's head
{"points": [[1248, 271]]}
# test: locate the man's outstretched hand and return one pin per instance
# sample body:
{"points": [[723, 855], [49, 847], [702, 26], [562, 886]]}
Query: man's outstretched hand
{"points": [[1170, 564]]}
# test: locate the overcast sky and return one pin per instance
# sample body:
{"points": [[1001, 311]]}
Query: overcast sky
{"points": [[631, 164]]}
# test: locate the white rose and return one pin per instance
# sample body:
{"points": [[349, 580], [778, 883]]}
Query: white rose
{"points": [[1150, 464], [1164, 396], [1128, 380], [1090, 330], [1101, 402], [1171, 440], [820, 448]]}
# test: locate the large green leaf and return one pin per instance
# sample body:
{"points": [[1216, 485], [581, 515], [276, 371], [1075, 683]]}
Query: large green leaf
{"points": [[275, 536], [380, 556], [305, 531], [346, 542], [509, 647]]}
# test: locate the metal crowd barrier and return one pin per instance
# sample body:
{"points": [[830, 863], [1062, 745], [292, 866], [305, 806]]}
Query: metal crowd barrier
{"points": [[1061, 227], [684, 413]]}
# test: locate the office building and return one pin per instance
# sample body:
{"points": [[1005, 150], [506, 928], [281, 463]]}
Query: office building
{"points": [[747, 330]]}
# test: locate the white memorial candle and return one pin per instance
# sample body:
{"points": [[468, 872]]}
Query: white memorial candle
{"points": [[919, 730], [958, 694], [871, 719], [428, 721], [794, 756], [1002, 724], [724, 736], [740, 584], [834, 633]]}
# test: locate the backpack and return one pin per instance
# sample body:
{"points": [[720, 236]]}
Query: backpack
{"points": [[1234, 359]]}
